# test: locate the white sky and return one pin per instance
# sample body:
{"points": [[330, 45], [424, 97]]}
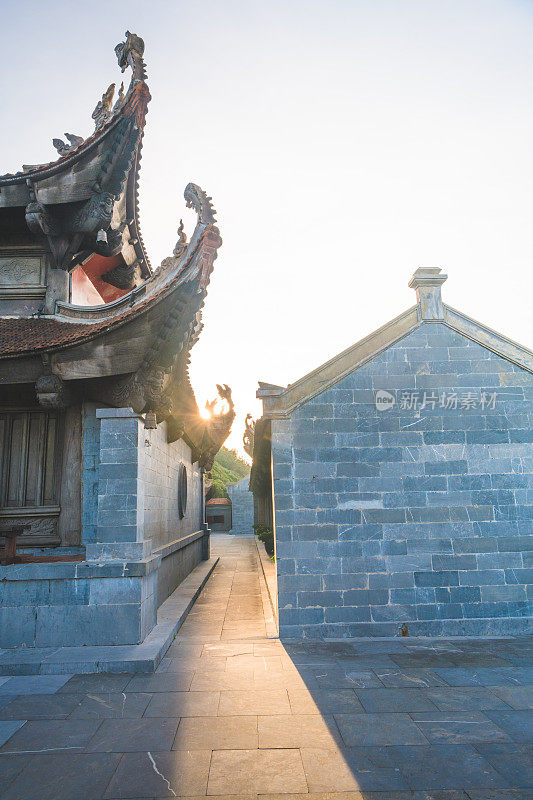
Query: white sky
{"points": [[344, 143]]}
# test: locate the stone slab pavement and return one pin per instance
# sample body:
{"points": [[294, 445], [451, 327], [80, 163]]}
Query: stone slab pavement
{"points": [[232, 712]]}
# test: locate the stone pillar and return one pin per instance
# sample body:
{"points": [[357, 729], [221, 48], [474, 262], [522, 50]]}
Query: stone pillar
{"points": [[427, 282], [120, 533]]}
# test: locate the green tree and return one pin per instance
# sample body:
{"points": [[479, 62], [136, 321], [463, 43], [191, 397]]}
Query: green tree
{"points": [[228, 468]]}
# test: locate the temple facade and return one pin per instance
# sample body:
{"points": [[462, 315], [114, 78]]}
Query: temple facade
{"points": [[398, 479], [102, 447]]}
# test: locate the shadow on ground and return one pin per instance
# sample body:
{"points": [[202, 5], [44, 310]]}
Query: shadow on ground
{"points": [[233, 712]]}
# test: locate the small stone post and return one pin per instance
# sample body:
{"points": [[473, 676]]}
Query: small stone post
{"points": [[427, 282]]}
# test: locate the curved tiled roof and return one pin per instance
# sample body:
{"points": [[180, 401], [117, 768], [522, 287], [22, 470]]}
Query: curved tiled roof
{"points": [[23, 336]]}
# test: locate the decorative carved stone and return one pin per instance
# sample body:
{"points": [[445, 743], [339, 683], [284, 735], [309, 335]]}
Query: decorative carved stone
{"points": [[20, 271]]}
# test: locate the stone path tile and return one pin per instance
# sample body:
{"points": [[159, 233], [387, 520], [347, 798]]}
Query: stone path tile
{"points": [[325, 701], [48, 735], [217, 733], [183, 704], [63, 776], [425, 659], [10, 767], [264, 714], [517, 697], [378, 729], [216, 681], [517, 724], [95, 683], [390, 700], [446, 767], [447, 727], [8, 728], [513, 761], [459, 698], [259, 701], [41, 706], [228, 649], [298, 730], [503, 794], [409, 678], [34, 684], [256, 771], [329, 770], [107, 705], [168, 682], [133, 735], [177, 773], [5, 699], [481, 676], [338, 678]]}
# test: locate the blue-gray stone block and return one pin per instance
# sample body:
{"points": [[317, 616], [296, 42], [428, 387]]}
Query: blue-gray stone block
{"points": [[432, 507]]}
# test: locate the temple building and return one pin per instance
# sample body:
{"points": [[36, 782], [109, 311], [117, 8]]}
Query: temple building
{"points": [[398, 477], [102, 447]]}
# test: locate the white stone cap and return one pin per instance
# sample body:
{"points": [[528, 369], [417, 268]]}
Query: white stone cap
{"points": [[427, 282]]}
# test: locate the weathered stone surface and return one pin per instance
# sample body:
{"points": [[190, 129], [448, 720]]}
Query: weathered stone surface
{"points": [[417, 514]]}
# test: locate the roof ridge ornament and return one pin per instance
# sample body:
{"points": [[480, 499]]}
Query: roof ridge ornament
{"points": [[103, 109], [196, 198], [63, 148], [130, 54], [427, 282]]}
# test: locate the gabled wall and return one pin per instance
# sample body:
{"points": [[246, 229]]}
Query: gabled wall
{"points": [[403, 516]]}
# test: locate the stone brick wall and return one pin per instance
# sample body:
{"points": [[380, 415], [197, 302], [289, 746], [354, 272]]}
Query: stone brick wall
{"points": [[162, 462], [417, 516], [242, 507], [90, 462]]}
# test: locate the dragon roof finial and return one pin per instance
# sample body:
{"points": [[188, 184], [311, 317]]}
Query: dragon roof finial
{"points": [[196, 198], [248, 436], [130, 54]]}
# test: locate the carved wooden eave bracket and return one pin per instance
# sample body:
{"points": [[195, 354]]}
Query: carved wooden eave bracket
{"points": [[184, 276]]}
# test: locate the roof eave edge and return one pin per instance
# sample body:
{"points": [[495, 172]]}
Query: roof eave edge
{"points": [[487, 337]]}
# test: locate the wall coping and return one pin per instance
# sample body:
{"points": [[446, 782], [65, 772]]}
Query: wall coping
{"points": [[178, 544]]}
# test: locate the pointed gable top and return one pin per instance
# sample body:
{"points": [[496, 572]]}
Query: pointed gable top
{"points": [[427, 281]]}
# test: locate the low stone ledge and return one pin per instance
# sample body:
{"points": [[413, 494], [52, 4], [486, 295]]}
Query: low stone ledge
{"points": [[144, 657], [269, 573], [178, 544]]}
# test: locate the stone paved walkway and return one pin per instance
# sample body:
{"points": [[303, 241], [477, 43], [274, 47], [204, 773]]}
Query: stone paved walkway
{"points": [[234, 713]]}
